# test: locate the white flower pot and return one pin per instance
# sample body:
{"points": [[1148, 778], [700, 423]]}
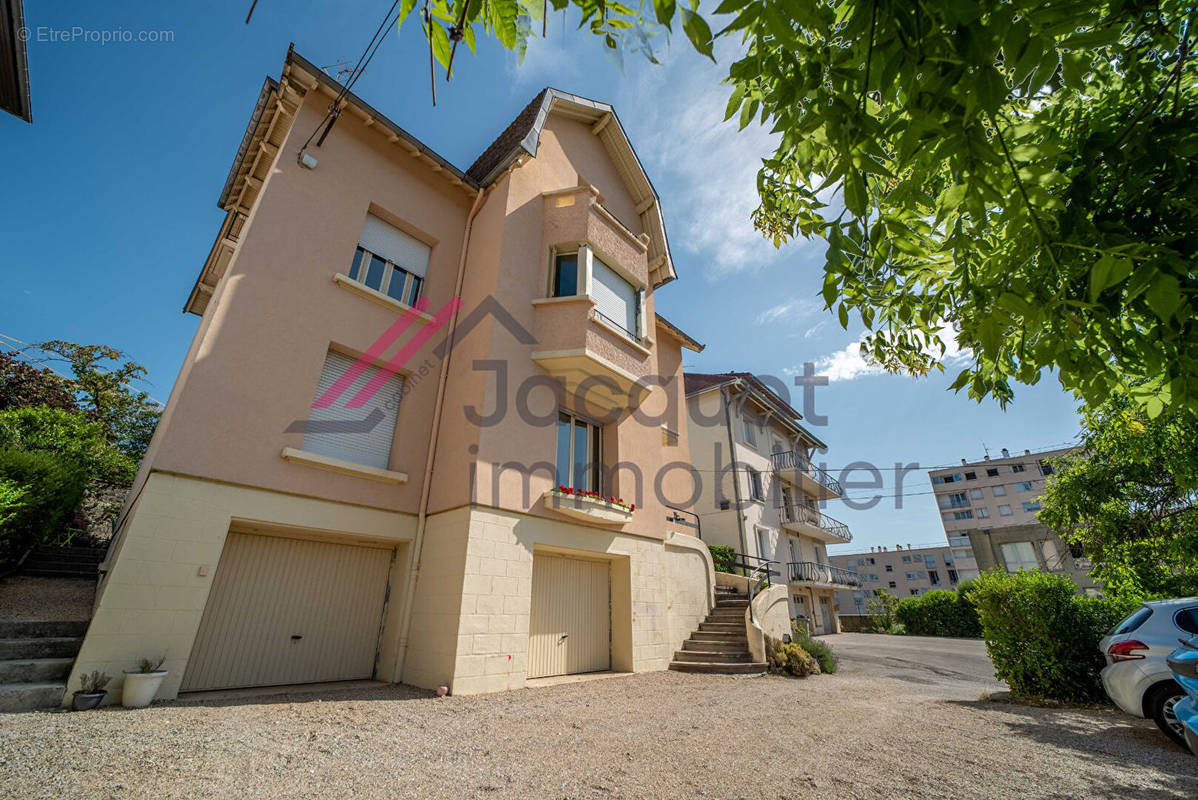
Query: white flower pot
{"points": [[140, 688]]}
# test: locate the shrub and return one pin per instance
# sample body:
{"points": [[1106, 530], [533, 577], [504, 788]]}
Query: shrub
{"points": [[1042, 637], [723, 558], [68, 434], [789, 658], [819, 651], [940, 613], [40, 491], [881, 608]]}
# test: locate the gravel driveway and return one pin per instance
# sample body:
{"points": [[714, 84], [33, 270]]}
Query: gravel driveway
{"points": [[875, 730]]}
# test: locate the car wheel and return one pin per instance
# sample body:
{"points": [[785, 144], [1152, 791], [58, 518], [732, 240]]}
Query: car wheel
{"points": [[1159, 705]]}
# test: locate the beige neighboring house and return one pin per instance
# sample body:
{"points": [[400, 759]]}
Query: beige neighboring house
{"points": [[904, 571], [760, 493], [307, 514], [995, 503]]}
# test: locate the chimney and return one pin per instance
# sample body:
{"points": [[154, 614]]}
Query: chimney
{"points": [[1006, 453], [908, 545], [1027, 452], [898, 547], [987, 458]]}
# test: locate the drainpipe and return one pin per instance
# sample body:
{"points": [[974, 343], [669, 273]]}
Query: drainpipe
{"points": [[740, 518], [425, 487]]}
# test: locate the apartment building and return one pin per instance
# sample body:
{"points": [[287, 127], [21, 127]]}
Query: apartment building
{"points": [[995, 503], [413, 389], [904, 571], [759, 493]]}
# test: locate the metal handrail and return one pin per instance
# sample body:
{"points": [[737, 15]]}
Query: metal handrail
{"points": [[675, 519], [797, 512], [792, 459], [764, 578], [815, 572], [597, 314]]}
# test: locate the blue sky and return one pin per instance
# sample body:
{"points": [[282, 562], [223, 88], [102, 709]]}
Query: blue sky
{"points": [[110, 209]]}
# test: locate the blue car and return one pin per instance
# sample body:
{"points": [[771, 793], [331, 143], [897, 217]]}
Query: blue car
{"points": [[1184, 663]]}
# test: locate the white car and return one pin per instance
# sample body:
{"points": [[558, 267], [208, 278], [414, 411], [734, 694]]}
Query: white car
{"points": [[1136, 677]]}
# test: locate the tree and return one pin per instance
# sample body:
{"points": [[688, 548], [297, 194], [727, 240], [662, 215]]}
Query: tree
{"points": [[23, 385], [104, 391], [1018, 174], [882, 608], [1129, 497]]}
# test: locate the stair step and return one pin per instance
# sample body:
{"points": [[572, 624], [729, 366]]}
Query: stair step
{"points": [[717, 636], [59, 572], [30, 696], [742, 604], [722, 627], [35, 670], [699, 646], [45, 647], [707, 656], [81, 554], [32, 629], [719, 668]]}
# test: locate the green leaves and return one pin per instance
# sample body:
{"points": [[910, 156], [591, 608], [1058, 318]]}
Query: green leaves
{"points": [[698, 32], [1106, 272]]}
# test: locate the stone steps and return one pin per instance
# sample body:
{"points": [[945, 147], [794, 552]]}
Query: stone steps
{"points": [[30, 696], [720, 668], [46, 647], [719, 646], [36, 657], [35, 670], [63, 562], [32, 629], [708, 657]]}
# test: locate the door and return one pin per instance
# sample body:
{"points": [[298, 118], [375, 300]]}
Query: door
{"points": [[289, 611], [825, 607], [569, 628]]}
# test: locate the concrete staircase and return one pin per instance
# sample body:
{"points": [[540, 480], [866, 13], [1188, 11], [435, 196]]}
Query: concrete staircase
{"points": [[35, 660], [719, 646], [64, 562]]}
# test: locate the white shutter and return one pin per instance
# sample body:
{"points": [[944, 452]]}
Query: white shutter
{"points": [[369, 447], [394, 245], [615, 298]]}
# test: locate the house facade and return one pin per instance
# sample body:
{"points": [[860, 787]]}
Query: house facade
{"points": [[904, 572], [995, 502], [760, 494], [398, 364]]}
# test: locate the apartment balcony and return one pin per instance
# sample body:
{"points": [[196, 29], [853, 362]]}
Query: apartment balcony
{"points": [[812, 573], [808, 521], [794, 468]]}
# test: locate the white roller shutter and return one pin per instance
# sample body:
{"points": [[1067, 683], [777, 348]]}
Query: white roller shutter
{"points": [[395, 246], [615, 298], [350, 441]]}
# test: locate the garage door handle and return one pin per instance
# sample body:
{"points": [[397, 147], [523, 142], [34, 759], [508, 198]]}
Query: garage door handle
{"points": [[295, 637], [564, 636]]}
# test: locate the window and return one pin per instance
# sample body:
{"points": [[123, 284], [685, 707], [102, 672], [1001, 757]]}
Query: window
{"points": [[873, 577], [952, 576], [870, 561], [892, 585], [934, 578], [1046, 468], [1000, 491], [1053, 558], [763, 542], [991, 472], [959, 500], [1023, 486], [1019, 555], [906, 559], [954, 478], [617, 301], [1017, 468], [755, 491], [910, 576], [930, 560], [371, 448], [1004, 511], [750, 427], [915, 592], [578, 453], [923, 575], [1032, 506], [971, 476], [890, 568], [1187, 619], [983, 513], [390, 261], [1132, 621], [962, 515], [975, 494], [565, 275]]}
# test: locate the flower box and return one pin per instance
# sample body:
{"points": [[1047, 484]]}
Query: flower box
{"points": [[588, 506]]}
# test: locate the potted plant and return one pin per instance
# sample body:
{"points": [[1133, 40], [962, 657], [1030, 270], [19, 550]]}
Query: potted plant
{"points": [[91, 691], [142, 684]]}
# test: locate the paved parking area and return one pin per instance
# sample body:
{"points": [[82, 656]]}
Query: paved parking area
{"points": [[901, 720]]}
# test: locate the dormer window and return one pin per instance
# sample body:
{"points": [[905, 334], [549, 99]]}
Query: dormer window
{"points": [[390, 261]]}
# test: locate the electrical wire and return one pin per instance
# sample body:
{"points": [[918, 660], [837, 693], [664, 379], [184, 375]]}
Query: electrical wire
{"points": [[23, 353]]}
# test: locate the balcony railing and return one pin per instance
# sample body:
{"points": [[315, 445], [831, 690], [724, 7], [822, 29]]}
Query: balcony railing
{"points": [[805, 515], [814, 572], [619, 326], [793, 459]]}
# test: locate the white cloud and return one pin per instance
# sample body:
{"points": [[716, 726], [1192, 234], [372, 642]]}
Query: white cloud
{"points": [[789, 309], [814, 329], [849, 363]]}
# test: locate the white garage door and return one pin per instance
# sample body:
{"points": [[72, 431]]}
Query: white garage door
{"points": [[569, 627], [289, 611]]}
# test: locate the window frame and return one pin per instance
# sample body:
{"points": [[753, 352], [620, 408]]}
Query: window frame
{"points": [[756, 486], [594, 438], [555, 258], [413, 287]]}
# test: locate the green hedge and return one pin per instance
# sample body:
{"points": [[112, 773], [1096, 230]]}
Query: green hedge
{"points": [[1043, 637], [38, 493], [723, 558], [941, 613], [68, 434]]}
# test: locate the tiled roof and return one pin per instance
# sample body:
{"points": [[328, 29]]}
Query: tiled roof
{"points": [[511, 137], [698, 381]]}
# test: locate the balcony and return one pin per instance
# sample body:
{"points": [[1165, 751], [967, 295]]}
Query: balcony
{"points": [[811, 572], [794, 468], [808, 521]]}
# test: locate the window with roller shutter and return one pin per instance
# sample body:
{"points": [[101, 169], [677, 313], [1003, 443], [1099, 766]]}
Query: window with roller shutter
{"points": [[371, 447], [615, 298]]}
